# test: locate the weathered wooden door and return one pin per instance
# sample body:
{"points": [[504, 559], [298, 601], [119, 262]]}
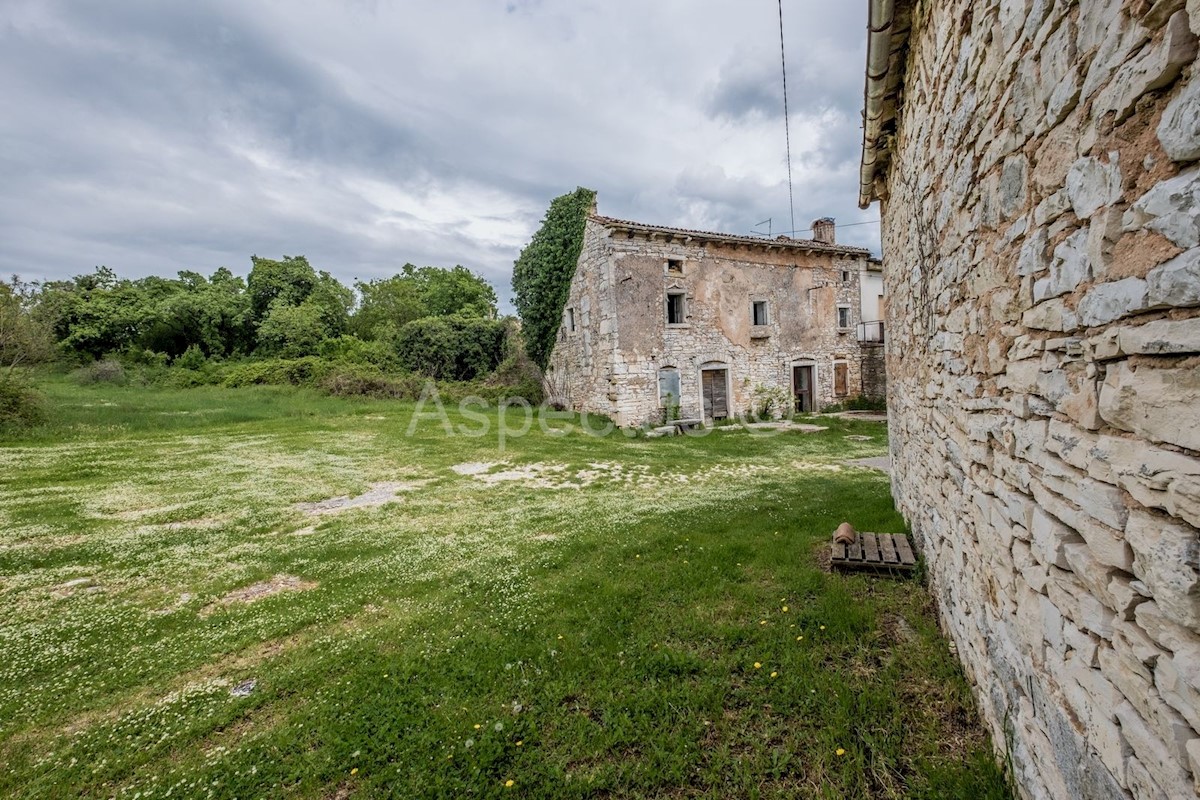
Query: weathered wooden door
{"points": [[716, 401], [802, 388]]}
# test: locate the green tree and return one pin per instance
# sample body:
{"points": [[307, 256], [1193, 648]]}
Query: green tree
{"points": [[289, 281], [543, 271], [386, 305], [452, 291], [292, 331], [91, 315], [24, 339]]}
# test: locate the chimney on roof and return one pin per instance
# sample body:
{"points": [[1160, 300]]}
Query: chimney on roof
{"points": [[823, 230]]}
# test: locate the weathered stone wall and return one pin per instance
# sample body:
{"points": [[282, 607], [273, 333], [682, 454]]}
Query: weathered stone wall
{"points": [[610, 364], [874, 372], [1041, 232]]}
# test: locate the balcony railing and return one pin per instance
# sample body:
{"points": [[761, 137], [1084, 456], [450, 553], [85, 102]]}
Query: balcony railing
{"points": [[870, 332]]}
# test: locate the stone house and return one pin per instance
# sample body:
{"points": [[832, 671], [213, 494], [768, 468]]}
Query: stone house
{"points": [[664, 321], [1038, 166]]}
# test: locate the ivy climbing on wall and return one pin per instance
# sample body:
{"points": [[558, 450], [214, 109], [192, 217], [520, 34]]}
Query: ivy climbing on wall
{"points": [[542, 273]]}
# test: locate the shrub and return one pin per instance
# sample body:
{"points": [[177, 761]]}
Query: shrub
{"points": [[106, 371], [192, 359], [295, 372], [20, 406], [452, 348], [366, 382]]}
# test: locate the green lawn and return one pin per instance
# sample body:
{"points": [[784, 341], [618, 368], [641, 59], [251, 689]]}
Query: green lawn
{"points": [[583, 616]]}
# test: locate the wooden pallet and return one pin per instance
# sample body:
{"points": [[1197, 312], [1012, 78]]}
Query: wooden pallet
{"points": [[875, 552]]}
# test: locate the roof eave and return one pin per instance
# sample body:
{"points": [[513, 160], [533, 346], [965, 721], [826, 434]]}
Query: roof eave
{"points": [[887, 40]]}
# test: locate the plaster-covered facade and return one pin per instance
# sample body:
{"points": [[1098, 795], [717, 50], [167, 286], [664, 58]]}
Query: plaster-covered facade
{"points": [[1038, 163], [661, 316]]}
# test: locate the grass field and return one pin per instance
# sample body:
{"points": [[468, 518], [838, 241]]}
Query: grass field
{"points": [[575, 616]]}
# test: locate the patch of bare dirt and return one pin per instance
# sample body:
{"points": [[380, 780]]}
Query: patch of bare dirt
{"points": [[257, 591], [379, 494]]}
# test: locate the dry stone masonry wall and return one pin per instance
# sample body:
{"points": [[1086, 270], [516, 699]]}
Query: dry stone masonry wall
{"points": [[1042, 262], [609, 364]]}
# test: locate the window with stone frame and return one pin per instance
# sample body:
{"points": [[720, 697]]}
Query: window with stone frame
{"points": [[675, 266], [759, 312], [843, 317], [676, 308], [570, 320]]}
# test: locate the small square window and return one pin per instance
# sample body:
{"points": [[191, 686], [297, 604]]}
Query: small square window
{"points": [[845, 276], [843, 316], [760, 312], [675, 308], [675, 266]]}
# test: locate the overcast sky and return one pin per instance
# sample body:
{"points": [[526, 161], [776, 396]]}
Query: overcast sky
{"points": [[156, 136]]}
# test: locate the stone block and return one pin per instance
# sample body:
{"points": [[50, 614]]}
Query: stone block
{"points": [[1161, 759], [1179, 129], [1032, 258], [1158, 12], [1099, 500], [1108, 302], [1176, 282], [1073, 599], [1093, 184], [1156, 67], [1106, 544], [1140, 784], [1050, 539], [1103, 234], [1162, 338], [1193, 746], [1162, 405], [1069, 267], [1176, 691], [1052, 315], [1050, 209], [1167, 559], [1172, 208]]}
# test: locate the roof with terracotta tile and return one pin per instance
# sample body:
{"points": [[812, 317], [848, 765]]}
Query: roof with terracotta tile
{"points": [[731, 238]]}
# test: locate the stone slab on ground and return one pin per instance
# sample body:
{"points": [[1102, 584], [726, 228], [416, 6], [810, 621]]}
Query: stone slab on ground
{"points": [[881, 463]]}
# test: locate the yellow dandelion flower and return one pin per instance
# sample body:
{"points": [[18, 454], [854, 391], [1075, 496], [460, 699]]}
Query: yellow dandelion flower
{"points": [[560, 636], [757, 665], [785, 609], [762, 622], [508, 784], [822, 627], [774, 674], [477, 727], [354, 771], [520, 742], [799, 638], [841, 751]]}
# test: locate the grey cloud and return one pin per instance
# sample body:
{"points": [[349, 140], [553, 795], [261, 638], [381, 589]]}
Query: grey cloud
{"points": [[154, 137]]}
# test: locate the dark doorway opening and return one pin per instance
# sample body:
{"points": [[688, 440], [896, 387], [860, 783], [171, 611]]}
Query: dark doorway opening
{"points": [[802, 388]]}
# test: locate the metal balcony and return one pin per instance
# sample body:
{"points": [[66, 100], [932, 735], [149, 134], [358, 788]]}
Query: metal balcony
{"points": [[870, 332]]}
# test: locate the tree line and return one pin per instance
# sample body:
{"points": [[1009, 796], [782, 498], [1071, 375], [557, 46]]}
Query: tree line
{"points": [[288, 322]]}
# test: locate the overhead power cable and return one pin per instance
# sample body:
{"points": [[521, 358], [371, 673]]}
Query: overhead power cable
{"points": [[787, 129]]}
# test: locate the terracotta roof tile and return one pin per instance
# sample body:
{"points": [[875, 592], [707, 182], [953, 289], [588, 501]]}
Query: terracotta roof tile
{"points": [[782, 241]]}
